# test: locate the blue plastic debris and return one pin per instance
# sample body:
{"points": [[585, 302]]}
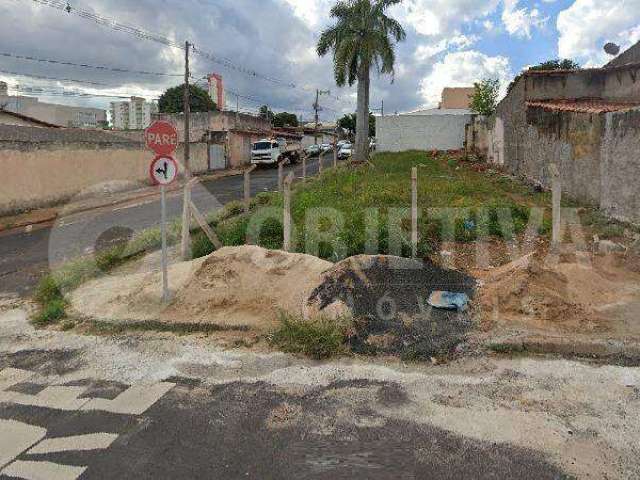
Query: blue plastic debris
{"points": [[449, 300]]}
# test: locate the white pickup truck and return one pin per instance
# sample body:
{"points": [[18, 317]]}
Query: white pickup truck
{"points": [[272, 151]]}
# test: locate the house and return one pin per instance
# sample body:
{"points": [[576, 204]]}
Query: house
{"points": [[586, 122], [51, 113], [431, 129], [229, 135], [17, 119]]}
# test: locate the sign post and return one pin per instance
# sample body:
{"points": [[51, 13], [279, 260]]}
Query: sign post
{"points": [[162, 138]]}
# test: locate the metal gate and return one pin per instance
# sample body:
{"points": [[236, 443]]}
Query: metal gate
{"points": [[217, 160]]}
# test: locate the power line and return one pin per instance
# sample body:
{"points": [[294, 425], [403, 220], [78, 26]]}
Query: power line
{"points": [[146, 35], [40, 77], [85, 65], [34, 90]]}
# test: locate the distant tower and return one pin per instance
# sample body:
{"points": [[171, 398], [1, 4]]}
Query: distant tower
{"points": [[216, 90]]}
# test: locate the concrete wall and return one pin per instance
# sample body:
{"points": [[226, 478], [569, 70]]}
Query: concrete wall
{"points": [[62, 115], [632, 55], [8, 119], [620, 167], [617, 84], [570, 140], [45, 166], [421, 132]]}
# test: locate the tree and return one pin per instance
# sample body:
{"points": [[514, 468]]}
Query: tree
{"points": [[285, 119], [485, 96], [348, 122], [364, 36], [172, 101], [266, 113], [557, 64]]}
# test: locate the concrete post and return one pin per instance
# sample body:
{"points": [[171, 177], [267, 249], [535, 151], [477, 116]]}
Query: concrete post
{"points": [[414, 212], [556, 194], [247, 188], [287, 213], [280, 174], [304, 167], [335, 152]]}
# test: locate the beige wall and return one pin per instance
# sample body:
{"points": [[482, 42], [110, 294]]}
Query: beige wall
{"points": [[456, 98], [41, 175]]}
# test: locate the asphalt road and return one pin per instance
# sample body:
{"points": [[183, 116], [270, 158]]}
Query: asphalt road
{"points": [[91, 428], [26, 257]]}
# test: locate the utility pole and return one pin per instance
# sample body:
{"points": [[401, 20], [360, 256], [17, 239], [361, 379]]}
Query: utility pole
{"points": [[316, 107], [186, 208]]}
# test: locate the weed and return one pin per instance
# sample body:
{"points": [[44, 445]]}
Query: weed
{"points": [[319, 338], [52, 312]]}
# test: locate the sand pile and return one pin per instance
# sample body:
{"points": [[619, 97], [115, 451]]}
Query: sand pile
{"points": [[565, 297], [235, 287], [248, 286]]}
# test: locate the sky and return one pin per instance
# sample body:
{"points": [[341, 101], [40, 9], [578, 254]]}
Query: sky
{"points": [[449, 43]]}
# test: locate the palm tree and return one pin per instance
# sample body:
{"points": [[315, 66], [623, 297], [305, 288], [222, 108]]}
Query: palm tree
{"points": [[363, 37]]}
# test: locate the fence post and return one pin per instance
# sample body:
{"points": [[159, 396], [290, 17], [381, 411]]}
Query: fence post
{"points": [[304, 167], [247, 188], [280, 172], [556, 200], [414, 212], [287, 213], [335, 152], [320, 163]]}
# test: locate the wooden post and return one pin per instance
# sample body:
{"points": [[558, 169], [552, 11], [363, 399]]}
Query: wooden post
{"points": [[304, 166], [247, 188], [335, 152], [320, 164], [186, 213], [287, 213], [556, 199], [414, 212]]}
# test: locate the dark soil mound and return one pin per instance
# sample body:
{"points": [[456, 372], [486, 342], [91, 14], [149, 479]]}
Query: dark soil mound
{"points": [[389, 299]]}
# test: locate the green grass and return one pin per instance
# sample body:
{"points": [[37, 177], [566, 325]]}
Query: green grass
{"points": [[320, 338]]}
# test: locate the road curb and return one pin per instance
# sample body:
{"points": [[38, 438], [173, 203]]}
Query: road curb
{"points": [[70, 210]]}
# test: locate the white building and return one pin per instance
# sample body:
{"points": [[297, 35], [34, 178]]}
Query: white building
{"points": [[132, 115], [51, 113], [436, 129]]}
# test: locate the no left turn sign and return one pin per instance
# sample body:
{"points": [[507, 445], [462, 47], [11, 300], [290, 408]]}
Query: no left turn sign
{"points": [[164, 170]]}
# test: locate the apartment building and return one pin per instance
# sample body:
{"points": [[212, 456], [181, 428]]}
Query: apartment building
{"points": [[132, 115]]}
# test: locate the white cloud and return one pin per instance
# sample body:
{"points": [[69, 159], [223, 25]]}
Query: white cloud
{"points": [[462, 69], [441, 17], [587, 25], [311, 12], [427, 51], [519, 21]]}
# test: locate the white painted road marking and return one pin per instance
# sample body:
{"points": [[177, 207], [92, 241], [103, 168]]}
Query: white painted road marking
{"points": [[134, 401], [78, 443], [15, 438], [56, 397], [12, 376], [43, 471]]}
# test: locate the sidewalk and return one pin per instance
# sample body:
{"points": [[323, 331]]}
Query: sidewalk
{"points": [[50, 214]]}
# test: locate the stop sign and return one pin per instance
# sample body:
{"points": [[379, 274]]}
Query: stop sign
{"points": [[162, 138]]}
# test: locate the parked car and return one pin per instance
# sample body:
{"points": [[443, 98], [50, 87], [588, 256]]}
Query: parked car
{"points": [[326, 147], [313, 150], [345, 151], [341, 143], [372, 145]]}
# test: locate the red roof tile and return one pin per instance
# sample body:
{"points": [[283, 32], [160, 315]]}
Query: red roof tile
{"points": [[583, 105]]}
